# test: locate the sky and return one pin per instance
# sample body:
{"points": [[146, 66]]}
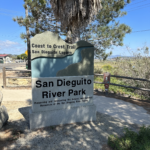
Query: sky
{"points": [[138, 18]]}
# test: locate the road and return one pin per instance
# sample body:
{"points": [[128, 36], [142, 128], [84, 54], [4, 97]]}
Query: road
{"points": [[11, 65]]}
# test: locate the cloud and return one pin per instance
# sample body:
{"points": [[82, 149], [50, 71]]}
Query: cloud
{"points": [[11, 47], [7, 43]]}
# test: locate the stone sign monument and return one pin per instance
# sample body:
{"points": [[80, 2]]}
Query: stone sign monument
{"points": [[62, 81]]}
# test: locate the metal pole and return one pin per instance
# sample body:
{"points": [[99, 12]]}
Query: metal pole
{"points": [[28, 39]]}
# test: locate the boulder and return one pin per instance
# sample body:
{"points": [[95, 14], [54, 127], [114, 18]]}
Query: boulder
{"points": [[3, 116]]}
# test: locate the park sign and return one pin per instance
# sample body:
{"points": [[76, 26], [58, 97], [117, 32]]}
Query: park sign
{"points": [[62, 81]]}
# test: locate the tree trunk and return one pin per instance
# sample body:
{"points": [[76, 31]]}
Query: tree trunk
{"points": [[72, 37], [76, 36], [68, 38], [28, 41]]}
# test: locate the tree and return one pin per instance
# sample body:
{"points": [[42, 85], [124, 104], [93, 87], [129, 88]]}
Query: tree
{"points": [[23, 56], [39, 18], [75, 14], [105, 32], [73, 19], [18, 57]]}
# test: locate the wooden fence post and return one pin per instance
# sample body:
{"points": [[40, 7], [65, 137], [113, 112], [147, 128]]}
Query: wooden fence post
{"points": [[4, 77]]}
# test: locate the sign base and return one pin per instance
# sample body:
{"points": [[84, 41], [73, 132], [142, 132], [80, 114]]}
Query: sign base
{"points": [[62, 116]]}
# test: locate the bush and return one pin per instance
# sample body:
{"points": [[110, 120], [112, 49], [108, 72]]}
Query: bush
{"points": [[137, 67], [107, 67], [22, 56], [97, 70], [131, 140]]}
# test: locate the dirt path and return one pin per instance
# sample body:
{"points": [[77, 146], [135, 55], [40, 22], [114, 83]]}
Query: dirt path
{"points": [[143, 103]]}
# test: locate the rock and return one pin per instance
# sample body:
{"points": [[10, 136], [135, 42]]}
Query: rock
{"points": [[3, 116]]}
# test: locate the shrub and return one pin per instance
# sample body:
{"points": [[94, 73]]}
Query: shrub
{"points": [[107, 67], [97, 70], [131, 140], [137, 67]]}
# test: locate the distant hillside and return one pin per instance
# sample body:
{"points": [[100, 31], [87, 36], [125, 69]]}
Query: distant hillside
{"points": [[114, 56]]}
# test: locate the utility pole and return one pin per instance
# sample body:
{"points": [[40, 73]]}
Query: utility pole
{"points": [[28, 38]]}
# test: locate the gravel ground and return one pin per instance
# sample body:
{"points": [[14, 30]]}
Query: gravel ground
{"points": [[77, 136]]}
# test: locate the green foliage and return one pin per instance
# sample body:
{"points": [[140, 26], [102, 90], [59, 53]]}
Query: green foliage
{"points": [[98, 70], [111, 10], [131, 140], [106, 32], [40, 18], [112, 88], [18, 57], [107, 68], [139, 67], [22, 56]]}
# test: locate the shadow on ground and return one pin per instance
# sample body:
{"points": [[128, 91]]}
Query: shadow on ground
{"points": [[89, 135], [15, 135], [143, 103]]}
